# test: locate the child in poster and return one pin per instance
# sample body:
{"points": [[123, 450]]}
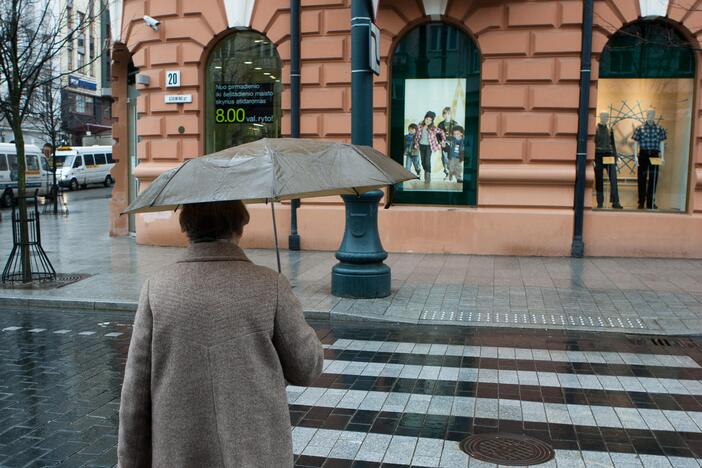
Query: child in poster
{"points": [[446, 125], [411, 153], [456, 153], [427, 141]]}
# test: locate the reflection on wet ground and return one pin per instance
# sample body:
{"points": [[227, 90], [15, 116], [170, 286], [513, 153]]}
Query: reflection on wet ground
{"points": [[390, 394]]}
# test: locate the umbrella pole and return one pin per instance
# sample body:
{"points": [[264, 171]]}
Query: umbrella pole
{"points": [[275, 236]]}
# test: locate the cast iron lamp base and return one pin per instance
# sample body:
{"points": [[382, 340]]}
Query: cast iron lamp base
{"points": [[361, 273]]}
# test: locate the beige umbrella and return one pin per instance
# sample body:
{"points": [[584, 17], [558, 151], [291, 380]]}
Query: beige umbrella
{"points": [[272, 169]]}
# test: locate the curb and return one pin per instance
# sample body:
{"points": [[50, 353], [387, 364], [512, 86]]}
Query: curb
{"points": [[67, 304], [16, 303], [101, 306]]}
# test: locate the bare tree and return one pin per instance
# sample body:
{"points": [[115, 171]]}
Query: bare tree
{"points": [[48, 110], [32, 35]]}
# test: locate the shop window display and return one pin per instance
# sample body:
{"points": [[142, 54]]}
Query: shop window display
{"points": [[243, 88], [435, 90], [645, 98]]}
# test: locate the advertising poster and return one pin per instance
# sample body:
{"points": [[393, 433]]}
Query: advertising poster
{"points": [[436, 148], [243, 112], [250, 103]]}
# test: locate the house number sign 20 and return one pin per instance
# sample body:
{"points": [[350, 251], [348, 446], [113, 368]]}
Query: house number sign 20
{"points": [[173, 79]]}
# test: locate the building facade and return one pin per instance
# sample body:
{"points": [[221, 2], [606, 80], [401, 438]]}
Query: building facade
{"points": [[32, 130], [499, 81], [86, 101]]}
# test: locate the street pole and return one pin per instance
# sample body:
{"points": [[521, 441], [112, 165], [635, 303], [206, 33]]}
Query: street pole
{"points": [[294, 237], [361, 272], [54, 186], [578, 246]]}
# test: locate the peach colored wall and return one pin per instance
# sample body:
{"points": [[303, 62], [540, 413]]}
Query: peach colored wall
{"points": [[119, 200], [528, 122]]}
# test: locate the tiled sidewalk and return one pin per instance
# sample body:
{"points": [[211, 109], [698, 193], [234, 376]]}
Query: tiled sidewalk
{"points": [[389, 395], [615, 294]]}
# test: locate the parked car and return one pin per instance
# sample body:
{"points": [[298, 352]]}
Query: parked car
{"points": [[37, 172], [79, 166]]}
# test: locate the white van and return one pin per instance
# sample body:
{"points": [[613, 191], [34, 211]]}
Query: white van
{"points": [[79, 166], [37, 172]]}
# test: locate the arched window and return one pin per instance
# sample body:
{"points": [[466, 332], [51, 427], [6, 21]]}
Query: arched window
{"points": [[645, 102], [647, 49], [436, 71], [242, 93]]}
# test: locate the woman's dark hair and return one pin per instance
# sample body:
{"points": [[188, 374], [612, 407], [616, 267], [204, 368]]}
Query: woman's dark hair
{"points": [[213, 220], [429, 114]]}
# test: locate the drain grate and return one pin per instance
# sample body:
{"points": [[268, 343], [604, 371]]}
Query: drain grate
{"points": [[62, 279], [662, 341], [507, 449]]}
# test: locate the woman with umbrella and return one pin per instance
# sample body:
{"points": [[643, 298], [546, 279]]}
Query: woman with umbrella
{"points": [[216, 337]]}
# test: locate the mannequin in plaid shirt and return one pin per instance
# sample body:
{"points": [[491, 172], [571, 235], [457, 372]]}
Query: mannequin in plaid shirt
{"points": [[648, 143]]}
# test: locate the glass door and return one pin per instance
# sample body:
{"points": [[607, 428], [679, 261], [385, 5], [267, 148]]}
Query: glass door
{"points": [[133, 182]]}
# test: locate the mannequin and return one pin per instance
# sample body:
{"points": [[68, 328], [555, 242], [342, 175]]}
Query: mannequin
{"points": [[649, 148], [606, 160]]}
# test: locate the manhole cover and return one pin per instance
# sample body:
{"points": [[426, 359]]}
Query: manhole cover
{"points": [[507, 449]]}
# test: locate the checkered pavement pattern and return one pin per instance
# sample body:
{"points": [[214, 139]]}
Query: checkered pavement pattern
{"points": [[390, 395]]}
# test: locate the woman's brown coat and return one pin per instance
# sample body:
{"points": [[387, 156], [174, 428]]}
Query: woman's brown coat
{"points": [[215, 339]]}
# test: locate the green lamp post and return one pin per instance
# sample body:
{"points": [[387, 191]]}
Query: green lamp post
{"points": [[361, 272]]}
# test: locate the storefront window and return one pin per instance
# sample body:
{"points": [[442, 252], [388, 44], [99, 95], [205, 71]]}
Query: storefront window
{"points": [[644, 110], [435, 90], [242, 91]]}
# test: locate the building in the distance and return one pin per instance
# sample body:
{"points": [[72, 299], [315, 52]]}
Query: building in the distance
{"points": [[85, 94], [32, 131], [501, 78]]}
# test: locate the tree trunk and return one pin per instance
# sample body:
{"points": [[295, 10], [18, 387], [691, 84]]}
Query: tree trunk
{"points": [[25, 259]]}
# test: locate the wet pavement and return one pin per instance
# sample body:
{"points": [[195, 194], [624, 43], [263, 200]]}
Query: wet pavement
{"points": [[632, 295], [390, 395]]}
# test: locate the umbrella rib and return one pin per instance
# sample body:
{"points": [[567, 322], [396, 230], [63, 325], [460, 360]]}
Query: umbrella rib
{"points": [[274, 186], [164, 185]]}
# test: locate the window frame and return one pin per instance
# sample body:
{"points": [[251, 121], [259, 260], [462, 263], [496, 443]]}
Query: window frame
{"points": [[222, 66], [400, 59]]}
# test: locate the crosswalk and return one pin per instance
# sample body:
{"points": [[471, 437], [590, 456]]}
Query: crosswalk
{"points": [[398, 396], [515, 410], [425, 452], [593, 357], [411, 403], [62, 331]]}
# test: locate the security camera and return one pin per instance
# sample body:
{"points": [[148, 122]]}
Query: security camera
{"points": [[152, 23]]}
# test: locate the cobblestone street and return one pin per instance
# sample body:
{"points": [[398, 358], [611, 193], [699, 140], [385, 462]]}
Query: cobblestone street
{"points": [[389, 395]]}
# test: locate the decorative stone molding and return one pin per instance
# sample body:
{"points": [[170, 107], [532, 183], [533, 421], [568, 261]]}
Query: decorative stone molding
{"points": [[653, 7], [239, 12], [116, 8], [435, 8]]}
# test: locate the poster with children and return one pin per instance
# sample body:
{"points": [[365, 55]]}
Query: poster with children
{"points": [[434, 146]]}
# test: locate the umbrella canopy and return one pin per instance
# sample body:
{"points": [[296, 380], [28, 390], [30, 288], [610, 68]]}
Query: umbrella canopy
{"points": [[272, 169]]}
